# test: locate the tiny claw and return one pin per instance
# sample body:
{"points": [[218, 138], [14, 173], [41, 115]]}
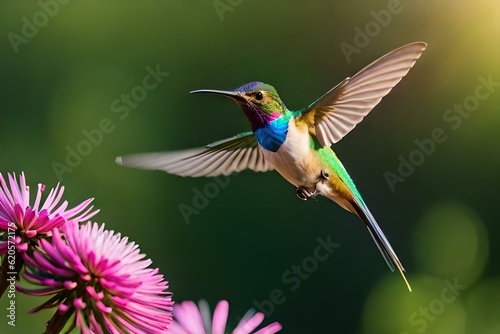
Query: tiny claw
{"points": [[300, 194], [304, 194]]}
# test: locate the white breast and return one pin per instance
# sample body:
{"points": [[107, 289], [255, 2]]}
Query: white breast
{"points": [[295, 160]]}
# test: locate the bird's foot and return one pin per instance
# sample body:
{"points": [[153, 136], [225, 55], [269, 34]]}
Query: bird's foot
{"points": [[304, 193]]}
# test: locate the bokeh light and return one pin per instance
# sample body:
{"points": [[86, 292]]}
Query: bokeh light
{"points": [[432, 307], [484, 307], [450, 241]]}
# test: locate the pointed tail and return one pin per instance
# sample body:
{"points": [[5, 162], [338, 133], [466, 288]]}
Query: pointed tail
{"points": [[381, 241]]}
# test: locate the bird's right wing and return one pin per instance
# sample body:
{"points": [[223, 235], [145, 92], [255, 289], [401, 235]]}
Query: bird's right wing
{"points": [[223, 157]]}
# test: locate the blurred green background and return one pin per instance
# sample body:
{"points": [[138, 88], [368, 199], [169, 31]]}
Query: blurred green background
{"points": [[61, 76]]}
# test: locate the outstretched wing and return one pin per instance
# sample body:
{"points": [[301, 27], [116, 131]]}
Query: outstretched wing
{"points": [[344, 106], [220, 158]]}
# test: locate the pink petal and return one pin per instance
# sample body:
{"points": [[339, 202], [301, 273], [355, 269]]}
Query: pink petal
{"points": [[275, 327], [220, 317]]}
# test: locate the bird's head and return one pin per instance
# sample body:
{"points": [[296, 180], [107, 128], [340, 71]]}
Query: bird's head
{"points": [[259, 101]]}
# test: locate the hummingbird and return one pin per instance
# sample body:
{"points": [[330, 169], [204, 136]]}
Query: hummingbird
{"points": [[297, 144]]}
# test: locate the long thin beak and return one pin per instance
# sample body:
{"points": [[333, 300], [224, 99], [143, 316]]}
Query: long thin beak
{"points": [[232, 94]]}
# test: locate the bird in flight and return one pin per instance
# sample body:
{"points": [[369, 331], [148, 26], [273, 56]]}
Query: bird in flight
{"points": [[297, 144]]}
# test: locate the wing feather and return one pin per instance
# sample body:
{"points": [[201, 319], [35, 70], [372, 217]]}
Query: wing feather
{"points": [[338, 111], [223, 157]]}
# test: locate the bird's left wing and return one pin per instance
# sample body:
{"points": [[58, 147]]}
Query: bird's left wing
{"points": [[220, 158], [338, 111]]}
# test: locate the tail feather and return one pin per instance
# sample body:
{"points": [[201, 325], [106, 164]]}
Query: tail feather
{"points": [[341, 189], [380, 240]]}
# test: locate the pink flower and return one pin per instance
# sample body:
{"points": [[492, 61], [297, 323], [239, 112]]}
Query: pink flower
{"points": [[22, 224], [192, 319], [33, 222], [100, 278]]}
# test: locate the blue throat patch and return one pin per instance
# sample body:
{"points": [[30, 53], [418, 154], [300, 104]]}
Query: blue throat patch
{"points": [[272, 135]]}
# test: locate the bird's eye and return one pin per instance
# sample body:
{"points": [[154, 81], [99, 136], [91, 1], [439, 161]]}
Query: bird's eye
{"points": [[259, 96]]}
